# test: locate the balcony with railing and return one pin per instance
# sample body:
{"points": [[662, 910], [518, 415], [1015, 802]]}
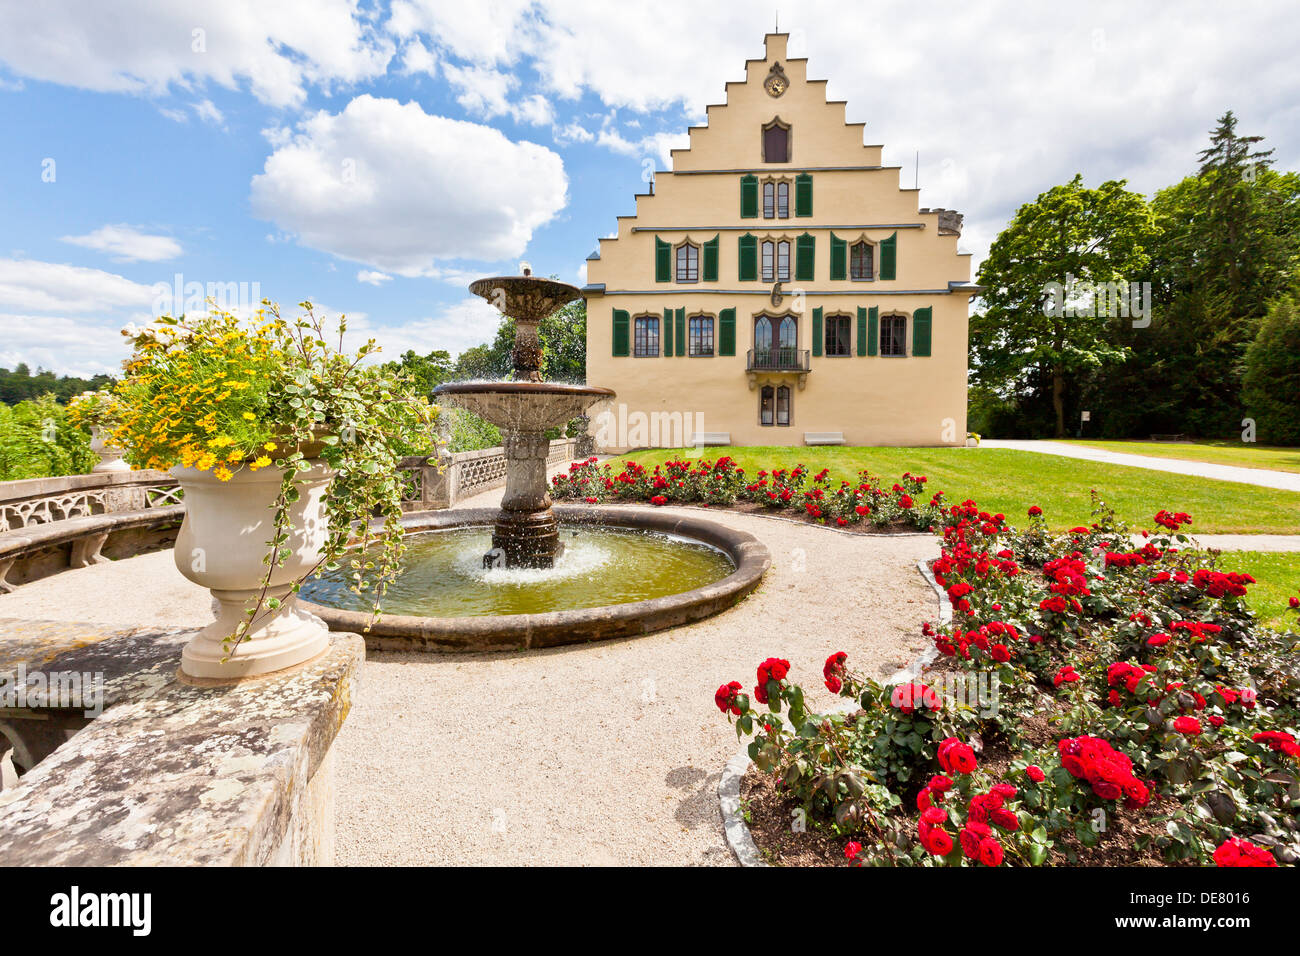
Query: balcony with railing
{"points": [[777, 360]]}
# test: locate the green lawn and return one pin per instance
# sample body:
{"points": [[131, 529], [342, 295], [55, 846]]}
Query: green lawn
{"points": [[1237, 453], [1278, 574], [1010, 481]]}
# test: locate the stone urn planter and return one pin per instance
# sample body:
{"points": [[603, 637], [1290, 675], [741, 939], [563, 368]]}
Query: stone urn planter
{"points": [[110, 456], [222, 545]]}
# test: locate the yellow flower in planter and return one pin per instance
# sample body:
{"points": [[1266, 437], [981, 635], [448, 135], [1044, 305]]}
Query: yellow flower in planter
{"points": [[224, 474]]}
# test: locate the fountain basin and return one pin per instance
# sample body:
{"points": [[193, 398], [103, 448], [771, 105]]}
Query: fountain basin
{"points": [[749, 558]]}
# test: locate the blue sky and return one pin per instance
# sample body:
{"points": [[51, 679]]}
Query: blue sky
{"points": [[376, 156]]}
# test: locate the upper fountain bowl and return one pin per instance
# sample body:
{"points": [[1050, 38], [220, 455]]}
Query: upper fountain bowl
{"points": [[525, 298], [524, 406]]}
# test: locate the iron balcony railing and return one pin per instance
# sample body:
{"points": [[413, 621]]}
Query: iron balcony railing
{"points": [[777, 360]]}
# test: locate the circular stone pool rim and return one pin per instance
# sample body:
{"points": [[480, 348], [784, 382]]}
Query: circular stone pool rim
{"points": [[397, 632]]}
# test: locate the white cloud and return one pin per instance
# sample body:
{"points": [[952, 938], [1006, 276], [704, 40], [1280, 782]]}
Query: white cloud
{"points": [[32, 285], [128, 244], [69, 346], [208, 112], [150, 46], [389, 186], [454, 328], [372, 277], [571, 133]]}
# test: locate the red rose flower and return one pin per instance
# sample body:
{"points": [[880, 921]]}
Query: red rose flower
{"points": [[1238, 852], [1035, 773], [725, 698], [1187, 725]]}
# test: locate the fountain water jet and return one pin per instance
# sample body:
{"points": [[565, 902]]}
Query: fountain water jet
{"points": [[526, 534]]}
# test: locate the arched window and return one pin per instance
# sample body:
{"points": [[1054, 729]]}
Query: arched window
{"points": [[645, 336], [688, 262], [783, 405], [766, 403], [789, 334], [862, 263], [893, 335], [769, 200], [776, 142], [763, 341]]}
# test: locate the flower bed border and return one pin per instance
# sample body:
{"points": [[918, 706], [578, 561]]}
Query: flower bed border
{"points": [[739, 838], [519, 631]]}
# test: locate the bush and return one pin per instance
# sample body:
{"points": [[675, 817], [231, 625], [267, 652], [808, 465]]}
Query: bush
{"points": [[1171, 713], [38, 441], [721, 482], [1271, 386]]}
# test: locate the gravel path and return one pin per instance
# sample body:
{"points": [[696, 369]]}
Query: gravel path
{"points": [[1267, 478], [599, 754]]}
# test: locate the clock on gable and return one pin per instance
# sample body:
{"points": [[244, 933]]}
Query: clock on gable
{"points": [[776, 82]]}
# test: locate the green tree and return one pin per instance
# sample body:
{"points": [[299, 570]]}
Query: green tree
{"points": [[425, 372], [1069, 233], [1229, 240], [1271, 385]]}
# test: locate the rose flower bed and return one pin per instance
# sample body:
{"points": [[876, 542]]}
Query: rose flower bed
{"points": [[867, 505], [1130, 709]]}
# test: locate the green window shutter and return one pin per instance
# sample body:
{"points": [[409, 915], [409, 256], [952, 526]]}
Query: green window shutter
{"points": [[889, 257], [803, 195], [727, 332], [681, 332], [663, 261], [873, 329], [748, 258], [839, 258], [711, 259], [620, 332], [748, 197], [921, 331], [862, 331], [668, 332], [817, 332], [805, 258]]}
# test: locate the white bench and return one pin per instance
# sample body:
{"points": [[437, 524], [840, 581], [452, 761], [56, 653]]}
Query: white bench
{"points": [[823, 438], [711, 438]]}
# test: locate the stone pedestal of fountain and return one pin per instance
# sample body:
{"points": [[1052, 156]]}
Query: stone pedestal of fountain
{"points": [[526, 534]]}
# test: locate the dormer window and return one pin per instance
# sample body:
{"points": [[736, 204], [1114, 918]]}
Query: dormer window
{"points": [[776, 142], [688, 263]]}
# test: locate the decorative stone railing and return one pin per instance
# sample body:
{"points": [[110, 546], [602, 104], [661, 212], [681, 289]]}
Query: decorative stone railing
{"points": [[34, 501], [441, 482], [48, 525]]}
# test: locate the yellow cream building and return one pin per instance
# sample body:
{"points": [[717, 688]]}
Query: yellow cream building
{"points": [[778, 287]]}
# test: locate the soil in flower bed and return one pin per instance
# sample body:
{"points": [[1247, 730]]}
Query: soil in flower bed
{"points": [[770, 814]]}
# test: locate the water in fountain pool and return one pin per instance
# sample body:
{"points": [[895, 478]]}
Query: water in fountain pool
{"points": [[443, 574]]}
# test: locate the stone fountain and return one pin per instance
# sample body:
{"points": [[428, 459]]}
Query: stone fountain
{"points": [[526, 534]]}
